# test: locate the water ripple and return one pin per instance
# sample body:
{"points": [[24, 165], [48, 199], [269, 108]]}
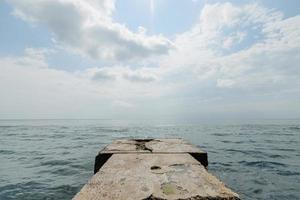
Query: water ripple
{"points": [[53, 159]]}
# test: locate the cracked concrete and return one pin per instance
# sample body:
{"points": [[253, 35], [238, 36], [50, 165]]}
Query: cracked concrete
{"points": [[135, 172], [174, 145], [141, 145], [164, 176]]}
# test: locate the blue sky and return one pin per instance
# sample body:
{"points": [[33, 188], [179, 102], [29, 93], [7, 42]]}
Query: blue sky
{"points": [[148, 58]]}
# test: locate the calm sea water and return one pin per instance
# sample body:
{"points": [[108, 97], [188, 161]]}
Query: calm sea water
{"points": [[53, 159]]}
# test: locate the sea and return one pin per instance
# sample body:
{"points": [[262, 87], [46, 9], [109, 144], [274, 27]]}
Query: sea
{"points": [[53, 159]]}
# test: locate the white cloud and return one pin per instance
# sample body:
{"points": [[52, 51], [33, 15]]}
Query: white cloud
{"points": [[235, 59], [31, 89], [141, 75], [225, 83], [212, 50], [86, 27]]}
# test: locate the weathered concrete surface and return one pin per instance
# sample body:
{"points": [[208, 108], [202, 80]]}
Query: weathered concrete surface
{"points": [[153, 176], [151, 146], [154, 146]]}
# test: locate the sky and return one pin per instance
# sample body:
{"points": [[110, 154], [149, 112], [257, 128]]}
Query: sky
{"points": [[149, 59]]}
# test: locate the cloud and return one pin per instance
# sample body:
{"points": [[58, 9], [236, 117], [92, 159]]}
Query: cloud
{"points": [[224, 83], [122, 73], [235, 61], [143, 76], [30, 88], [86, 27], [102, 75], [221, 49]]}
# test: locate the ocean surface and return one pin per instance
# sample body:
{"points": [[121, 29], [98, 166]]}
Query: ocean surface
{"points": [[53, 159]]}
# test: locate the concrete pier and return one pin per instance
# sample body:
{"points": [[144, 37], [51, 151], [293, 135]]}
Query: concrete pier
{"points": [[153, 169]]}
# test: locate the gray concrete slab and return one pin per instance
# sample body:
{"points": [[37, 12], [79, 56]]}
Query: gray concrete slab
{"points": [[175, 145], [154, 176], [154, 146]]}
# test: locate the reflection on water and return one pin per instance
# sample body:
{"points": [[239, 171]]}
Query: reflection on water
{"points": [[52, 159]]}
